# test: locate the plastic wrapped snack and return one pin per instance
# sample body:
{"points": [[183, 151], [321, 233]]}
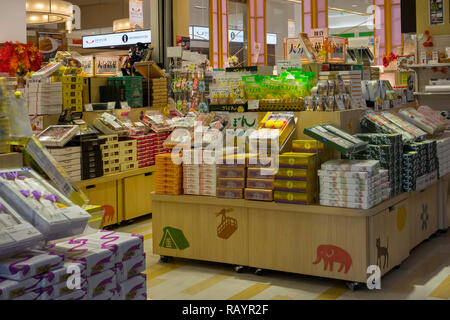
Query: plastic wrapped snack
{"points": [[15, 233], [58, 136], [42, 205], [419, 120]]}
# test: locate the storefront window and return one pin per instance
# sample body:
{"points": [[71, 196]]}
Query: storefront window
{"points": [[284, 20], [237, 32], [199, 26]]}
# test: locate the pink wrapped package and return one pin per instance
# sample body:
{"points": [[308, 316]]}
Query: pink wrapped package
{"points": [[434, 115], [29, 263], [132, 289], [100, 284], [77, 250], [11, 289], [124, 246], [130, 268]]}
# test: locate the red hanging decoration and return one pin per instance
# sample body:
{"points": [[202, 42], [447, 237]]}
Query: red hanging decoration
{"points": [[19, 58]]}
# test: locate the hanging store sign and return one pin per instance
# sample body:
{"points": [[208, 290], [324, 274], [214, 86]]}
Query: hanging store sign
{"points": [[117, 39], [136, 14], [436, 12]]}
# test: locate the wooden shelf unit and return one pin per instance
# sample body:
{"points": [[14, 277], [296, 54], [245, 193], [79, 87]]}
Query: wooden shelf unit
{"points": [[289, 238]]}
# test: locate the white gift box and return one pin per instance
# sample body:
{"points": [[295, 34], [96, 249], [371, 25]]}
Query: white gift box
{"points": [[131, 289], [64, 288], [11, 289], [28, 264], [124, 246], [127, 269], [61, 274], [94, 260], [101, 283], [74, 295], [105, 296]]}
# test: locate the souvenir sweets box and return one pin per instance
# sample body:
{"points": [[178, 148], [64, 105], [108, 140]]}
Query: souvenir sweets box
{"points": [[61, 289], [58, 136], [29, 263], [39, 203], [132, 289], [61, 274], [127, 269], [74, 295], [12, 289], [15, 233], [100, 283]]}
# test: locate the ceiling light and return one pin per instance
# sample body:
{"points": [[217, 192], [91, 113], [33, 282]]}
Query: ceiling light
{"points": [[48, 11]]}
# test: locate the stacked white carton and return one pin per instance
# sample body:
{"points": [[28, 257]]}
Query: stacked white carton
{"points": [[199, 173], [352, 184], [443, 153], [44, 97], [70, 160]]}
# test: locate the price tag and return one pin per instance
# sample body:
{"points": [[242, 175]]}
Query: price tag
{"points": [[88, 107], [253, 104]]}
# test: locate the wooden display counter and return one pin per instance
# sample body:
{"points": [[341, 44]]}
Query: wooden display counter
{"points": [[320, 241], [123, 196], [444, 202]]}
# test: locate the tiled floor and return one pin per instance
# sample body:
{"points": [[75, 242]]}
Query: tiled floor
{"points": [[424, 275]]}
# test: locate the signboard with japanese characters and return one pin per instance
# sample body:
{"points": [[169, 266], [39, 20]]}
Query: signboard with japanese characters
{"points": [[294, 49]]}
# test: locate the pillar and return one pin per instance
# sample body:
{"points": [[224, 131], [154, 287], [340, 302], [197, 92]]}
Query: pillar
{"points": [[218, 33], [181, 18], [256, 25], [388, 27], [13, 24], [315, 14]]}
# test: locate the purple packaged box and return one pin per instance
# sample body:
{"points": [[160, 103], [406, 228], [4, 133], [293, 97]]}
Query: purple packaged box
{"points": [[12, 289], [130, 268], [132, 289], [61, 274], [101, 283]]}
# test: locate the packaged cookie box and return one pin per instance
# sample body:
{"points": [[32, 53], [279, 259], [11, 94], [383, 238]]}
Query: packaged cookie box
{"points": [[261, 161], [128, 144], [11, 289], [124, 246], [58, 136], [60, 274], [74, 251], [258, 194], [367, 200], [347, 192], [100, 283], [294, 186], [371, 166], [88, 145], [15, 233], [38, 294], [294, 198], [110, 154], [307, 146], [42, 205], [128, 158], [265, 184], [71, 80], [298, 160], [260, 173], [110, 139], [29, 263], [74, 295], [73, 163], [296, 174], [67, 157], [132, 289], [111, 162], [344, 174], [168, 190], [230, 193], [127, 152], [61, 289], [64, 151], [348, 187], [346, 204], [238, 172], [231, 183], [129, 166], [113, 146], [363, 182]]}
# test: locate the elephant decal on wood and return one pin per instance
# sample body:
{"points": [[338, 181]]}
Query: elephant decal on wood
{"points": [[331, 254]]}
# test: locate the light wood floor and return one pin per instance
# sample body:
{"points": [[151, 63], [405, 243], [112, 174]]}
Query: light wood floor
{"points": [[424, 275]]}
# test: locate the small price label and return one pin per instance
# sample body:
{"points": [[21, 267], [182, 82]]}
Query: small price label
{"points": [[253, 104]]}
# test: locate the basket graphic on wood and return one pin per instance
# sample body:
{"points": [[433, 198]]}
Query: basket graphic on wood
{"points": [[228, 226]]}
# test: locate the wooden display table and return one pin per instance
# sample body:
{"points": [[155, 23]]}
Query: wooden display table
{"points": [[313, 240], [444, 202], [124, 196]]}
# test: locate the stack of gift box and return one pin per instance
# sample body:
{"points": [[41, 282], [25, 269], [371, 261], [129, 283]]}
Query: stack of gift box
{"points": [[162, 137], [427, 164], [44, 97], [260, 179], [354, 184], [110, 154], [169, 175], [21, 275], [296, 179], [69, 158], [128, 155], [155, 92], [111, 263], [91, 158], [410, 170], [443, 154], [231, 177], [146, 146], [72, 91], [388, 149], [199, 173]]}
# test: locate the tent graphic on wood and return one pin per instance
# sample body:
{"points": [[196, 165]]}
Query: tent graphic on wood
{"points": [[173, 239]]}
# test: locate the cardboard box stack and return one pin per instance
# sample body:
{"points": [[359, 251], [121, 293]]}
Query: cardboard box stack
{"points": [[20, 275], [388, 149], [128, 155], [354, 184], [44, 97], [260, 179], [146, 146], [296, 179], [72, 90], [443, 154], [91, 158], [199, 173], [155, 92], [168, 179], [70, 160], [110, 154]]}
